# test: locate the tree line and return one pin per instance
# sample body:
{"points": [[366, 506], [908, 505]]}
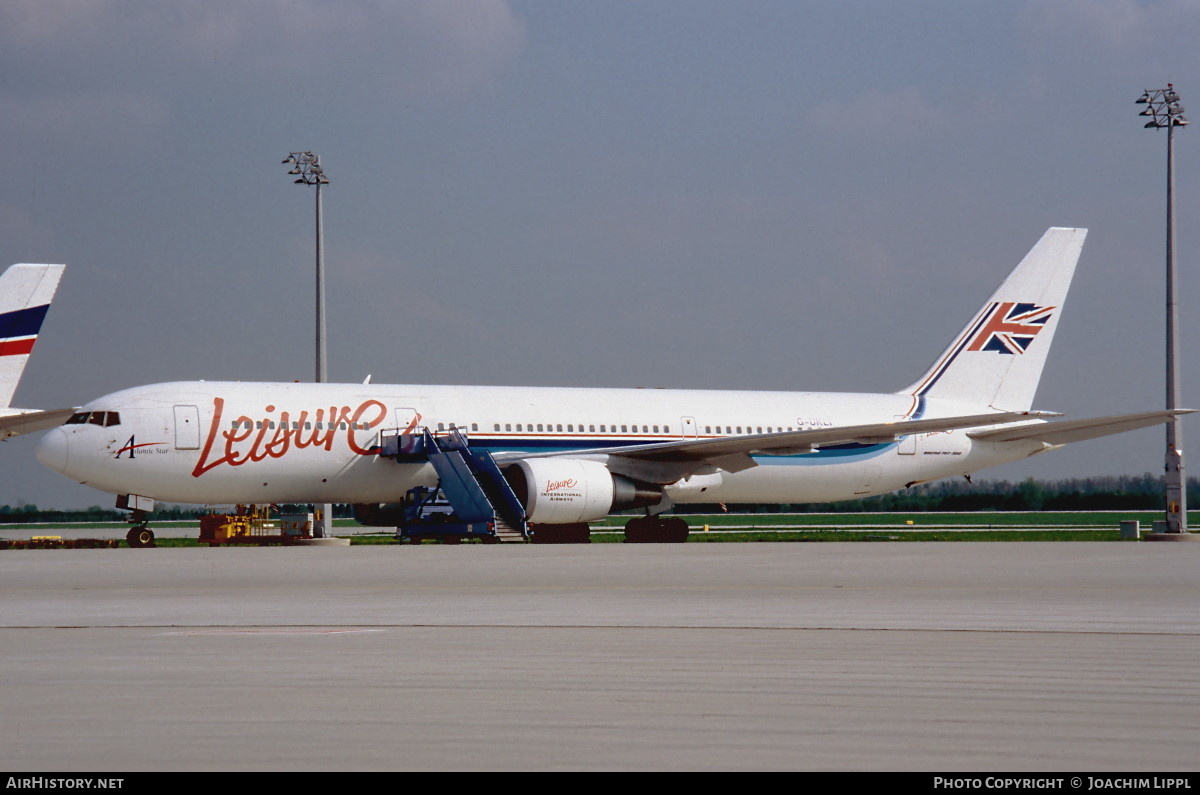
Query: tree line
{"points": [[1113, 493]]}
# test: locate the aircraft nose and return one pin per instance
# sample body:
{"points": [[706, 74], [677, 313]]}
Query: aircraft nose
{"points": [[52, 450]]}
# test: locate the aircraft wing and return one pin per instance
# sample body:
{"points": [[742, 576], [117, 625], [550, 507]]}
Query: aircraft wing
{"points": [[733, 453], [22, 421], [1078, 430]]}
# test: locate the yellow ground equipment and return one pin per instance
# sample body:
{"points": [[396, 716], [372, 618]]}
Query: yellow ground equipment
{"points": [[254, 525]]}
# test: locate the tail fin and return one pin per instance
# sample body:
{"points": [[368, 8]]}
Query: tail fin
{"points": [[997, 359], [25, 294]]}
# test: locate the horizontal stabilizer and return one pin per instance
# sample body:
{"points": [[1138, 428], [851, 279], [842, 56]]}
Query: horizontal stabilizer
{"points": [[1078, 430], [24, 422]]}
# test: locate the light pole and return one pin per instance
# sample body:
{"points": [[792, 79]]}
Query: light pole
{"points": [[306, 166], [1164, 110]]}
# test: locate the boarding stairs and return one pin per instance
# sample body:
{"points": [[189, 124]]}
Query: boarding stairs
{"points": [[482, 502]]}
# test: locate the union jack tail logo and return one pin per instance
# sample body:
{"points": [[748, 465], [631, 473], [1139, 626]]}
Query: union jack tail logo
{"points": [[1010, 327]]}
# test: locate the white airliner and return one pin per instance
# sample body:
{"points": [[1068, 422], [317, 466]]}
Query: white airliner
{"points": [[574, 455], [25, 295]]}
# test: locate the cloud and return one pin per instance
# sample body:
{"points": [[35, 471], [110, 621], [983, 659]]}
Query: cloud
{"points": [[1121, 25], [17, 223], [902, 116], [44, 115], [157, 55], [1108, 32]]}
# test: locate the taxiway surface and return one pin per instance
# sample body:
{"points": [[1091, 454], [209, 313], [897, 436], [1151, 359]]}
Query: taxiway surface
{"points": [[894, 656]]}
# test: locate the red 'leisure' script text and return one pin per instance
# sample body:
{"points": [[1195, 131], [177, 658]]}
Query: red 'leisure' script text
{"points": [[249, 440]]}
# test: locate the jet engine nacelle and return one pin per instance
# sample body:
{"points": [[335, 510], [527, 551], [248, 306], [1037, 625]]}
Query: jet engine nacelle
{"points": [[568, 490]]}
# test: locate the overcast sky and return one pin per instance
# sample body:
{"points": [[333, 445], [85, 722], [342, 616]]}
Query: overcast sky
{"points": [[762, 195]]}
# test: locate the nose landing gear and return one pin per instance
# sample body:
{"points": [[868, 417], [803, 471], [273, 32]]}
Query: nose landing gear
{"points": [[139, 536]]}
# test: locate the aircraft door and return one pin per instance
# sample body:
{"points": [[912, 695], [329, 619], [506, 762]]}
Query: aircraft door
{"points": [[187, 428], [907, 444], [689, 427], [408, 423]]}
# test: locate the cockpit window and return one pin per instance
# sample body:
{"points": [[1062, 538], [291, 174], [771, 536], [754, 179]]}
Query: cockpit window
{"points": [[105, 419]]}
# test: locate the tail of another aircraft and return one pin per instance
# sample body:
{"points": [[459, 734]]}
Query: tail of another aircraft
{"points": [[997, 359], [25, 294]]}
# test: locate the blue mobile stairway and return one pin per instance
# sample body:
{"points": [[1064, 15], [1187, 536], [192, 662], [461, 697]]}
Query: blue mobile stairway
{"points": [[472, 498]]}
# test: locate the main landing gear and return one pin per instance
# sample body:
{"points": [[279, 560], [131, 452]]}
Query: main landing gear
{"points": [[575, 533], [656, 530]]}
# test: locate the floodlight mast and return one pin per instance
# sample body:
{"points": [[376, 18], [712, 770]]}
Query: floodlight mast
{"points": [[306, 166], [1165, 110]]}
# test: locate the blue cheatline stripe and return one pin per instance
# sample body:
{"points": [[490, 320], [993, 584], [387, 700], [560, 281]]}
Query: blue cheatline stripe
{"points": [[23, 322]]}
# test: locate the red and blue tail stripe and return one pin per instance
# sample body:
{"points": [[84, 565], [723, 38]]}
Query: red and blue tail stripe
{"points": [[19, 329]]}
